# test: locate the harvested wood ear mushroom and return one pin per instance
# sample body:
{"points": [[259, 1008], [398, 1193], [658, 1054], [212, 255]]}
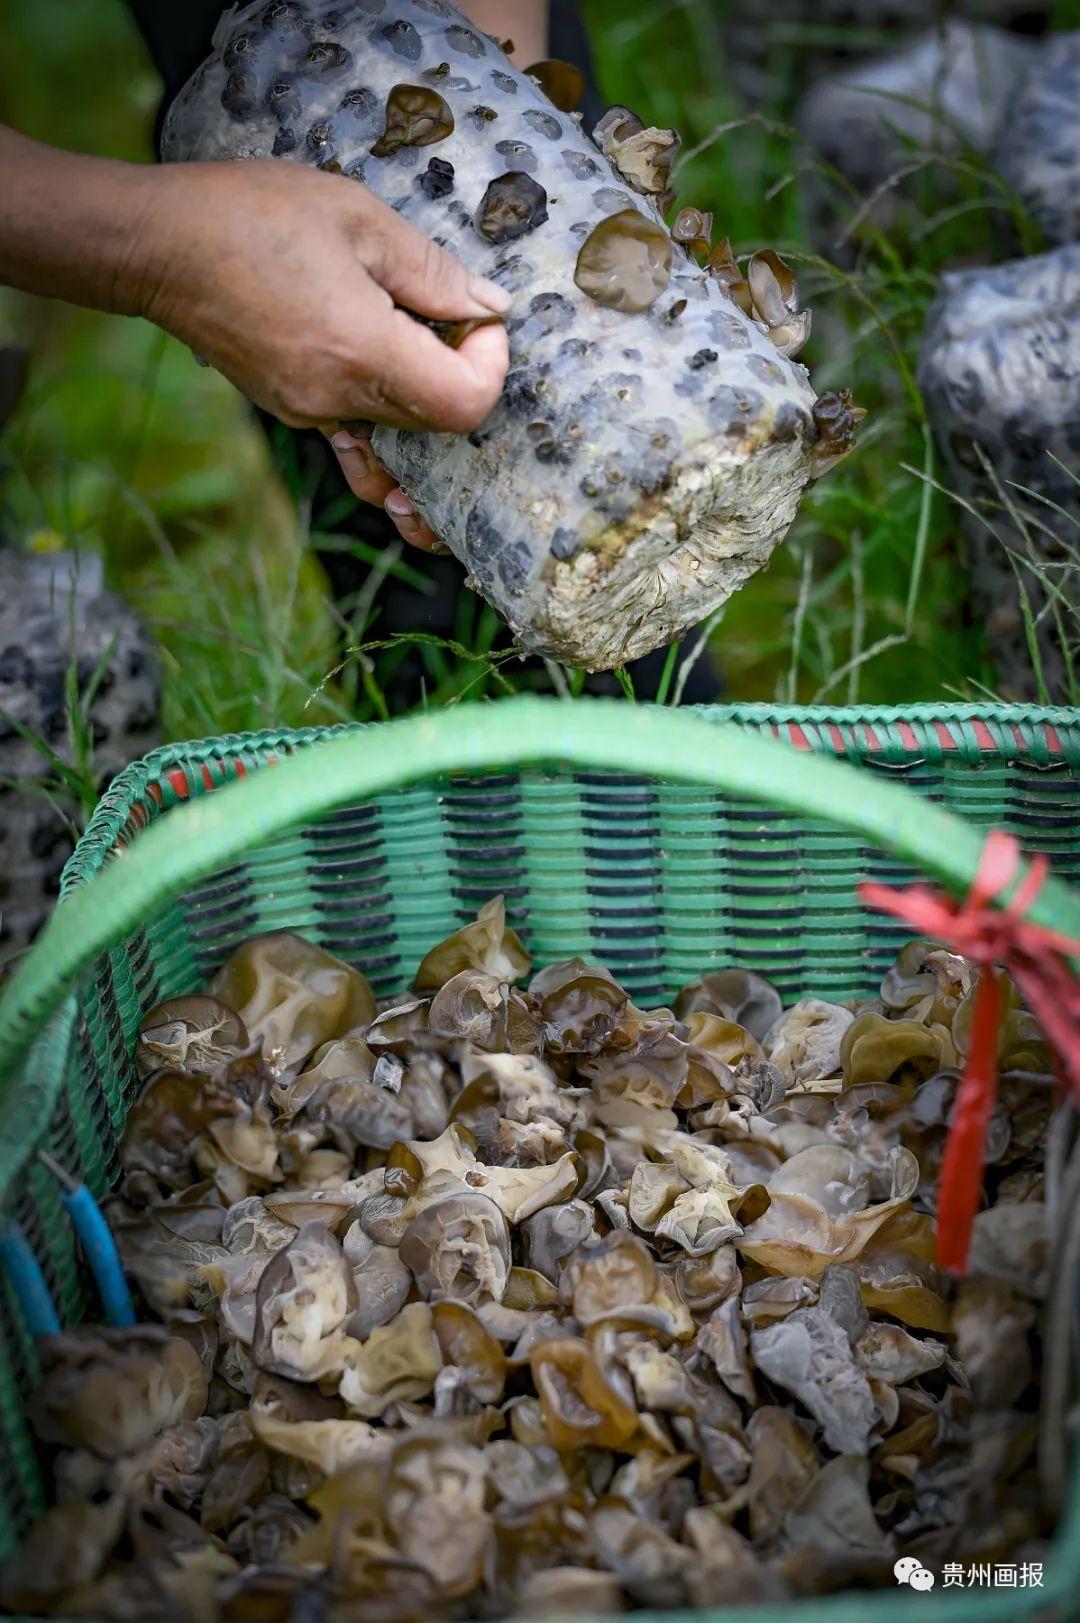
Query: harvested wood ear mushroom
{"points": [[304, 1299], [534, 1297], [115, 1390], [488, 944], [292, 995], [458, 1246], [189, 1034], [397, 1363]]}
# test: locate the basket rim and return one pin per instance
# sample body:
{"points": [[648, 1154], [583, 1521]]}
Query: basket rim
{"points": [[1038, 735]]}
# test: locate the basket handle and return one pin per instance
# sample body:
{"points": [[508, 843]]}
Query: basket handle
{"points": [[588, 733]]}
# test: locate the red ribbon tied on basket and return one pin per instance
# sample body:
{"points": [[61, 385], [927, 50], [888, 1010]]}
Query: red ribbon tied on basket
{"points": [[1034, 956]]}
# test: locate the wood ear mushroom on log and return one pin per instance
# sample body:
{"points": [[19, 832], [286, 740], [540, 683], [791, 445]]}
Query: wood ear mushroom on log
{"points": [[653, 439]]}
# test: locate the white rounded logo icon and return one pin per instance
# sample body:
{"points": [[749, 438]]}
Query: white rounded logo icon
{"points": [[910, 1570]]}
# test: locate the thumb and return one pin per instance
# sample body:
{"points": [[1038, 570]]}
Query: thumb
{"points": [[430, 385], [424, 278]]}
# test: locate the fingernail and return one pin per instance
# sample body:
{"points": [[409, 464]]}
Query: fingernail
{"points": [[490, 295], [399, 506], [346, 445]]}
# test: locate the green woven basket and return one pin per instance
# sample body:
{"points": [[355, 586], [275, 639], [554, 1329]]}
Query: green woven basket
{"points": [[660, 842]]}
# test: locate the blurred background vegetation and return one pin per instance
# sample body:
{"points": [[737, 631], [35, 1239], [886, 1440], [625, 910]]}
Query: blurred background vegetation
{"points": [[124, 446]]}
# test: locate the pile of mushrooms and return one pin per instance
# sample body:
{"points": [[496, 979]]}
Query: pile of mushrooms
{"points": [[512, 1298]]}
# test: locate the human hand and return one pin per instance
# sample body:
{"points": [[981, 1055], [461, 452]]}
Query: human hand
{"points": [[286, 279], [369, 482], [289, 282]]}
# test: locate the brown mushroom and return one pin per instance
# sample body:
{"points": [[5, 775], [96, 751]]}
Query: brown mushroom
{"points": [[512, 205], [579, 1407], [805, 1041], [836, 417], [561, 83], [625, 262], [487, 944], [458, 1246], [693, 228], [381, 1281], [166, 1122], [468, 1006], [115, 1390], [467, 1345], [774, 288], [416, 116], [304, 1298], [454, 333], [67, 1548], [189, 1034], [398, 1361], [739, 995], [722, 267], [292, 994], [642, 156]]}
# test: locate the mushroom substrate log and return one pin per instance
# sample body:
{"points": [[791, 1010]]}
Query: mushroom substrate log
{"points": [[647, 454]]}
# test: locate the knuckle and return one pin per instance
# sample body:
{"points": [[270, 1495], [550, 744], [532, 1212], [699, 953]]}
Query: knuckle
{"points": [[376, 392], [377, 253], [436, 268]]}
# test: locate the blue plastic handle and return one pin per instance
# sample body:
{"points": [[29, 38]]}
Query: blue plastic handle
{"points": [[101, 1253], [97, 1243], [28, 1282]]}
